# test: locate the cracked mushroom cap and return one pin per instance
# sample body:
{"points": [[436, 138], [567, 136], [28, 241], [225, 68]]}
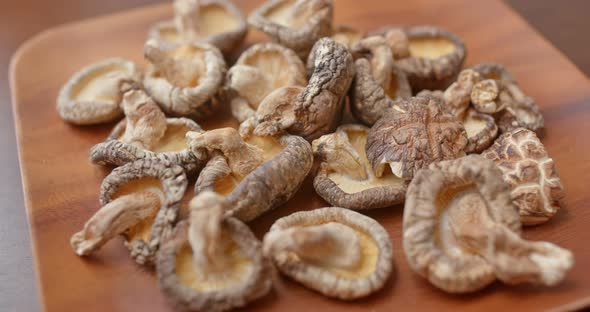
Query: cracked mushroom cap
{"points": [[435, 57], [212, 263], [254, 173], [346, 179], [139, 200], [261, 69], [315, 110], [347, 35], [93, 94], [499, 93], [147, 133], [185, 81], [216, 22], [295, 24], [410, 140], [461, 231], [378, 83], [535, 185], [335, 251]]}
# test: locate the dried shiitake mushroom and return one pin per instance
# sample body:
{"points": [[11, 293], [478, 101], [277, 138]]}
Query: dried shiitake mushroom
{"points": [[335, 251], [481, 131], [315, 110], [346, 179], [433, 59], [254, 173], [530, 172], [499, 93], [262, 68], [93, 94], [217, 22], [212, 263], [146, 133], [347, 35], [378, 83], [185, 81], [461, 230], [295, 24], [408, 140], [139, 200]]}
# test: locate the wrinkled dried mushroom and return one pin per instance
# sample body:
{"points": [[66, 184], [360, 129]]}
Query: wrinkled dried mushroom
{"points": [[254, 173], [346, 179], [185, 81], [212, 263], [530, 172], [139, 200], [261, 69], [146, 133], [378, 83], [461, 231], [315, 110], [347, 35], [337, 252], [92, 95], [481, 131], [295, 24], [217, 22], [499, 93], [408, 140]]}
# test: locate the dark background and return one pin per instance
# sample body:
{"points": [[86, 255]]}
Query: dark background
{"points": [[564, 23]]}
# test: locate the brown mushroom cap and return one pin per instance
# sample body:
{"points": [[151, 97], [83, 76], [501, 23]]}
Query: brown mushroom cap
{"points": [[531, 174], [127, 208], [295, 24], [185, 81], [410, 140], [315, 110], [461, 231], [435, 57], [347, 35], [290, 243], [264, 183], [92, 95], [211, 263], [346, 179], [261, 69], [481, 131], [216, 22]]}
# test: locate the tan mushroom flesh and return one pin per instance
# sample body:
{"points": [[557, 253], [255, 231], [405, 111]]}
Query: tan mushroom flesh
{"points": [[347, 35], [185, 81], [461, 231], [335, 251], [217, 22], [139, 200], [346, 179], [261, 69], [93, 94], [536, 188], [212, 263]]}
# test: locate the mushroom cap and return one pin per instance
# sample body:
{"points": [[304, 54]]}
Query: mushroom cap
{"points": [[226, 40], [370, 193], [198, 100], [481, 131], [536, 188], [297, 28], [173, 184], [347, 35], [428, 244], [268, 186], [117, 153], [256, 284], [408, 141], [92, 95], [329, 282], [432, 65]]}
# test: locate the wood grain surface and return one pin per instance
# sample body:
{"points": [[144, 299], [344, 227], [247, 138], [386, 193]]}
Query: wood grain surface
{"points": [[61, 186]]}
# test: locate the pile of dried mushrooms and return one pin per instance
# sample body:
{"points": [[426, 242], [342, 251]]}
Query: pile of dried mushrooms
{"points": [[458, 147]]}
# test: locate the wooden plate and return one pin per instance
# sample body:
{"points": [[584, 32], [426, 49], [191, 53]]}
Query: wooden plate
{"points": [[61, 186]]}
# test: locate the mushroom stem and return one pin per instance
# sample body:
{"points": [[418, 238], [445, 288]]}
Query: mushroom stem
{"points": [[249, 82], [114, 218], [186, 18], [276, 112], [514, 259], [330, 244], [381, 59], [146, 123], [341, 156]]}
